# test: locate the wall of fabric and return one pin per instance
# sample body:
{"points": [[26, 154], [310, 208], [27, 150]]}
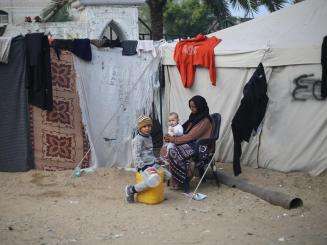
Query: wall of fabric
{"points": [[223, 98], [59, 140], [15, 147], [114, 90], [293, 132]]}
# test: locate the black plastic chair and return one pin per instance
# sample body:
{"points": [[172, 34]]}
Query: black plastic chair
{"points": [[211, 144]]}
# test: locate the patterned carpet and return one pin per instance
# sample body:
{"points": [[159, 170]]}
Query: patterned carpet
{"points": [[59, 138]]}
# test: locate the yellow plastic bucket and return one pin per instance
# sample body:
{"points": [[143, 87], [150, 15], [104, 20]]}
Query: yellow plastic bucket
{"points": [[152, 195]]}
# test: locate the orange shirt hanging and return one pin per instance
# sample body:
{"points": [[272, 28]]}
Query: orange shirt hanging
{"points": [[196, 51]]}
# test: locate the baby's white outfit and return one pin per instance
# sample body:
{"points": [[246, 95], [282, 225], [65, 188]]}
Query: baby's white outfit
{"points": [[176, 130]]}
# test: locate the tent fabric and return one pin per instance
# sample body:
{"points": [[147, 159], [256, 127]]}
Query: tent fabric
{"points": [[114, 90], [223, 98], [292, 35], [294, 133], [58, 138], [15, 153]]}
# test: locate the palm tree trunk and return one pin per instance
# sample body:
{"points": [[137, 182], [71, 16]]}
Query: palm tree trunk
{"points": [[156, 14]]}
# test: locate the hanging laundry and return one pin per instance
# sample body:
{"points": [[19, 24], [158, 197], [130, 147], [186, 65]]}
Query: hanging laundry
{"points": [[39, 82], [15, 146], [250, 113], [196, 51], [58, 136], [146, 46], [61, 44], [129, 47], [80, 47], [5, 43], [324, 68]]}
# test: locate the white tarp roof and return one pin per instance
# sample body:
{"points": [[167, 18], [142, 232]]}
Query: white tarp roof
{"points": [[290, 36]]}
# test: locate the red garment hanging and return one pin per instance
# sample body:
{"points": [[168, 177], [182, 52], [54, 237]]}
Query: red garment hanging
{"points": [[196, 51]]}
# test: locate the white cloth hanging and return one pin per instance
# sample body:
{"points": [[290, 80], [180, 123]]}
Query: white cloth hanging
{"points": [[146, 46]]}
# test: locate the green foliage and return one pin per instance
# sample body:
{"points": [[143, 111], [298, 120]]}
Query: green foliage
{"points": [[144, 14], [188, 18], [57, 11], [61, 16], [273, 5]]}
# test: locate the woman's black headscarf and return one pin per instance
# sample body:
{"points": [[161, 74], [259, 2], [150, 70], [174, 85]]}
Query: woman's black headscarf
{"points": [[202, 112]]}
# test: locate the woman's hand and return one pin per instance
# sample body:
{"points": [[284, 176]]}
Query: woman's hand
{"points": [[168, 138]]}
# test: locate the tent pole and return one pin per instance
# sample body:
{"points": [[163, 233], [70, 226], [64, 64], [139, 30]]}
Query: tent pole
{"points": [[162, 78]]}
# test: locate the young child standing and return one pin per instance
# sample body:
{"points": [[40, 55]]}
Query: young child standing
{"points": [[174, 128], [144, 160]]}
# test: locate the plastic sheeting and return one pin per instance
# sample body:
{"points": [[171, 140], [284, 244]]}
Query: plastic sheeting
{"points": [[114, 90]]}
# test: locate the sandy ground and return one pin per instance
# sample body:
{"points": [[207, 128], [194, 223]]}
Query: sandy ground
{"points": [[51, 208]]}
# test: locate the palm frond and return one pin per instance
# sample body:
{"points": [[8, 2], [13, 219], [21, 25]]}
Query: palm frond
{"points": [[249, 6], [219, 7], [59, 7], [273, 5]]}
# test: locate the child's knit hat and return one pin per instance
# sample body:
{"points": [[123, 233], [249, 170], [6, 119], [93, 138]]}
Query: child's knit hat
{"points": [[143, 121]]}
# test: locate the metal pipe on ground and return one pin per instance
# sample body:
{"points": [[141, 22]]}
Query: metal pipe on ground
{"points": [[273, 197]]}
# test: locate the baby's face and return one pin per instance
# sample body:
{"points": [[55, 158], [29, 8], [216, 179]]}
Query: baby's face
{"points": [[172, 121]]}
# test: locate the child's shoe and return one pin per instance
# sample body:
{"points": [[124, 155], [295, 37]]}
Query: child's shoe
{"points": [[129, 194]]}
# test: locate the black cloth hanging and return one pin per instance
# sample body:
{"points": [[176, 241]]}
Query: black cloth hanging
{"points": [[15, 146], [324, 68], [79, 47], [250, 113], [82, 49], [129, 47], [38, 72]]}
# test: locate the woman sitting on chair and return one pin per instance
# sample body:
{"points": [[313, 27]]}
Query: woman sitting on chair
{"points": [[198, 126]]}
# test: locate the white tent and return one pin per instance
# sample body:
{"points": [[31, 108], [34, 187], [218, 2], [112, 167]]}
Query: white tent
{"points": [[288, 43]]}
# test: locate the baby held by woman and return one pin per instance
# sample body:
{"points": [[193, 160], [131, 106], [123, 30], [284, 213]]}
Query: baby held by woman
{"points": [[174, 128]]}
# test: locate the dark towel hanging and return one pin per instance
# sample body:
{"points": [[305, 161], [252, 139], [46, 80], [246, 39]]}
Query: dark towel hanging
{"points": [[79, 47], [129, 47], [82, 49]]}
